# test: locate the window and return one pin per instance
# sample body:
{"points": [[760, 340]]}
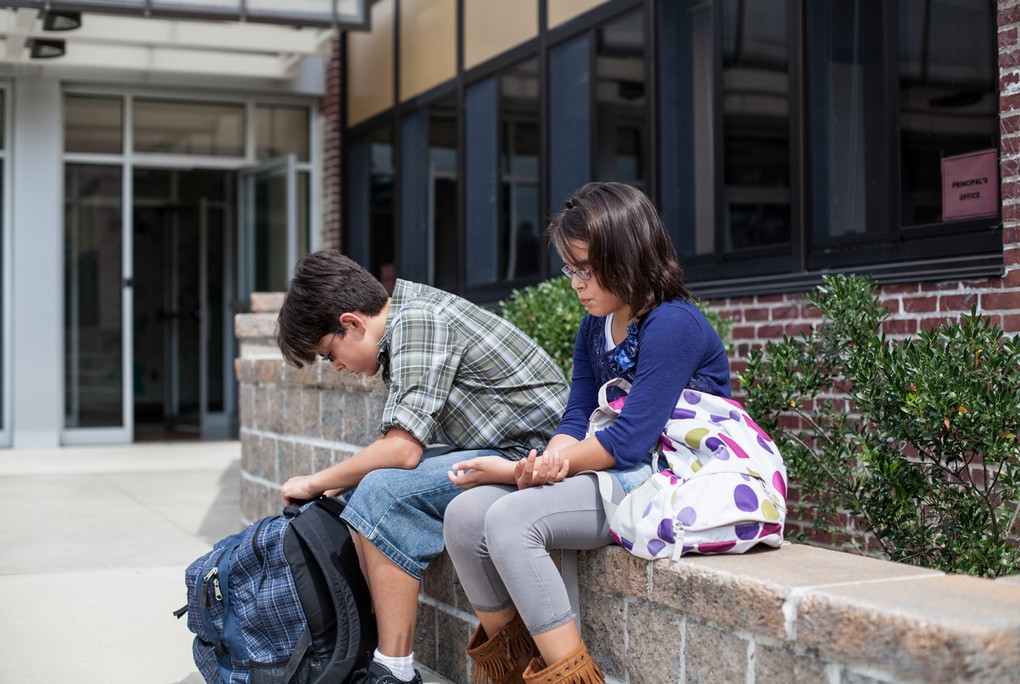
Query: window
{"points": [[824, 148], [622, 140], [198, 128]]}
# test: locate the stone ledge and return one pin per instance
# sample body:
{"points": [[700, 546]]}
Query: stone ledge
{"points": [[861, 616]]}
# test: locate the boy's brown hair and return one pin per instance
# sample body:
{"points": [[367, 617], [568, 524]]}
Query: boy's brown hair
{"points": [[325, 285]]}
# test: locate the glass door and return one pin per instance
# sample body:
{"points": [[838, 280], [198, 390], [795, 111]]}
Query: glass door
{"points": [[269, 225], [184, 266], [97, 302]]}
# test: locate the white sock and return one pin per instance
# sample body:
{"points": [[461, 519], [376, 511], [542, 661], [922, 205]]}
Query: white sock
{"points": [[402, 667]]}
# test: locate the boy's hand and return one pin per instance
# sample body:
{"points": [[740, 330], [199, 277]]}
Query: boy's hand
{"points": [[297, 490], [536, 470], [482, 470]]}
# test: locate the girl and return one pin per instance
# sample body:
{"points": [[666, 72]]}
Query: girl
{"points": [[642, 327]]}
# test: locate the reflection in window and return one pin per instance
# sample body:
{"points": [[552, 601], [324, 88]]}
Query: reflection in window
{"points": [[93, 379], [93, 124], [845, 58], [442, 188], [948, 95], [280, 131], [756, 123], [520, 223], [165, 127], [621, 94], [382, 251]]}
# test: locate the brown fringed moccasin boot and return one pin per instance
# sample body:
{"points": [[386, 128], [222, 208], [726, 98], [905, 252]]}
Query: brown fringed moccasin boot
{"points": [[502, 658], [576, 668]]}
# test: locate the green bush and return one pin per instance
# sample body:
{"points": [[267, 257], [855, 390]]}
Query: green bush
{"points": [[550, 314], [927, 461]]}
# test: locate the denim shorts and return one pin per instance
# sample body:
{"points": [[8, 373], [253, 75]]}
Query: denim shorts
{"points": [[400, 511], [634, 475]]}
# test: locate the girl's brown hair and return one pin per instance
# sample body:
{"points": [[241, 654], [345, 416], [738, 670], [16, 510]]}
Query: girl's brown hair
{"points": [[629, 251]]}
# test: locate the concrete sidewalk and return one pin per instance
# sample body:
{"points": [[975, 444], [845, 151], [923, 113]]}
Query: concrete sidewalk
{"points": [[93, 546]]}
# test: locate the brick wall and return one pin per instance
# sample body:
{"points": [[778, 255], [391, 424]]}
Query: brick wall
{"points": [[330, 111]]}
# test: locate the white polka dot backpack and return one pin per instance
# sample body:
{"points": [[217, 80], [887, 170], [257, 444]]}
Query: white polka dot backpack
{"points": [[719, 482]]}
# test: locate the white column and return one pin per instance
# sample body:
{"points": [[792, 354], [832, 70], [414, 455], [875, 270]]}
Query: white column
{"points": [[37, 264]]}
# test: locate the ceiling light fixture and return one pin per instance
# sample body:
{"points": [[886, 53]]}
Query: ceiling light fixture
{"points": [[45, 49], [61, 21]]}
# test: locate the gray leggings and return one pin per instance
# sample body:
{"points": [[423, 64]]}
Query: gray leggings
{"points": [[499, 538]]}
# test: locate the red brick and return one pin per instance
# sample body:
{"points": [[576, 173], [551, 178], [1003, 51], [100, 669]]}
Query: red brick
{"points": [[808, 310], [890, 304], [1011, 256], [769, 299], [1007, 38], [1008, 15], [743, 332], [785, 313], [797, 329], [1009, 103], [1010, 235], [1011, 324], [901, 288], [756, 314], [957, 302], [934, 323], [1010, 144], [920, 304], [900, 326], [770, 331], [1001, 301]]}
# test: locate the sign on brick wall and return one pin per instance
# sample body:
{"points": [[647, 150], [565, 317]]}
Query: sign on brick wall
{"points": [[970, 185]]}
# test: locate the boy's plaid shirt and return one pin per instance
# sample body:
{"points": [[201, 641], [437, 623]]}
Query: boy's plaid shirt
{"points": [[461, 375]]}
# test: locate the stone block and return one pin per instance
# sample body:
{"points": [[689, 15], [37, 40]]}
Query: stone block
{"points": [[614, 571], [267, 371], [321, 458], [244, 370], [306, 376], [713, 654], [748, 591], [255, 324], [268, 409], [425, 635], [936, 628], [782, 664], [266, 302], [654, 644], [246, 403], [603, 628], [301, 412], [453, 634], [258, 457], [440, 580]]}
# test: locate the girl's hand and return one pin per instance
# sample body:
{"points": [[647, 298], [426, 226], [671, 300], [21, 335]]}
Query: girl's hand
{"points": [[297, 490], [538, 470], [482, 470]]}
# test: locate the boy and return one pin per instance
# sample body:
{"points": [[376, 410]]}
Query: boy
{"points": [[457, 375]]}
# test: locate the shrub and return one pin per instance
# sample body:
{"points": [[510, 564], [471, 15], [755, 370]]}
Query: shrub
{"points": [[550, 314], [927, 461]]}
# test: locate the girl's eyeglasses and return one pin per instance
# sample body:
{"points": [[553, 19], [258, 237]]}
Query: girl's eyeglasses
{"points": [[582, 273]]}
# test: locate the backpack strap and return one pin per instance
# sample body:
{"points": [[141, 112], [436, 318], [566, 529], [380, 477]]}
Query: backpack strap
{"points": [[309, 527], [304, 643]]}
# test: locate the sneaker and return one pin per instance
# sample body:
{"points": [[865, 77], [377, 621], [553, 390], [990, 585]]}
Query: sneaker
{"points": [[377, 673]]}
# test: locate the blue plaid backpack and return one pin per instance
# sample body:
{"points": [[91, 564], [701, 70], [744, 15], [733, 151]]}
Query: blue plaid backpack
{"points": [[283, 602]]}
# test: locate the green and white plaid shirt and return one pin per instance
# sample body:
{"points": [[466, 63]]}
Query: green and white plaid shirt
{"points": [[460, 375]]}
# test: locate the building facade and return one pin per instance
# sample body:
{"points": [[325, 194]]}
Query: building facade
{"points": [[781, 140], [160, 161]]}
